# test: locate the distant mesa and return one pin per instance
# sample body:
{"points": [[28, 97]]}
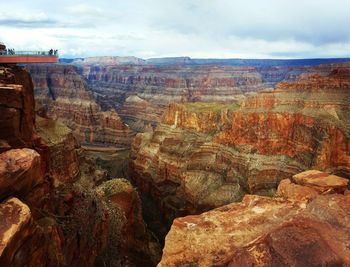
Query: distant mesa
{"points": [[188, 61], [110, 60]]}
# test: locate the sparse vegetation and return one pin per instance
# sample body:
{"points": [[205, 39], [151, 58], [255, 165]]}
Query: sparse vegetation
{"points": [[52, 131]]}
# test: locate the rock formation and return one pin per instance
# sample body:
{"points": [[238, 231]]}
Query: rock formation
{"points": [[158, 82], [141, 93], [61, 93], [263, 231], [51, 212], [16, 109], [205, 155]]}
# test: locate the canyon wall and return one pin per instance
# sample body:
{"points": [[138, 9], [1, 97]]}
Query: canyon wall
{"points": [[56, 208], [16, 109], [93, 95], [205, 155], [141, 91], [61, 92]]}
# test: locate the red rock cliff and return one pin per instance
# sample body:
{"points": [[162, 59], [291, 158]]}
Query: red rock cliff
{"points": [[204, 155], [141, 93], [16, 108], [51, 213]]}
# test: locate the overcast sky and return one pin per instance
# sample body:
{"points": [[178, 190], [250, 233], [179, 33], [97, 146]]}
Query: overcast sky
{"points": [[195, 28]]}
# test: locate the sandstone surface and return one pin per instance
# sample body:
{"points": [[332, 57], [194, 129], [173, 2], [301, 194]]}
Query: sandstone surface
{"points": [[20, 171], [16, 108], [20, 238], [263, 231]]}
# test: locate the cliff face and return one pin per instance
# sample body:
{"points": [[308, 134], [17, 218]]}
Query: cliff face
{"points": [[204, 155], [17, 109], [61, 92], [140, 93], [289, 230], [51, 212]]}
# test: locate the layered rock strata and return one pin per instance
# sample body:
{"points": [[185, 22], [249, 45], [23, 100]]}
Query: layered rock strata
{"points": [[51, 213], [159, 83], [61, 92], [140, 93], [16, 109], [262, 231], [204, 155]]}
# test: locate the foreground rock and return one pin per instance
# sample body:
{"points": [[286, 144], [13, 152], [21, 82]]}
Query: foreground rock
{"points": [[262, 231], [321, 182], [23, 242]]}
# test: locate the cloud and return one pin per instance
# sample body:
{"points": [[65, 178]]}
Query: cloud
{"points": [[196, 28], [17, 19]]}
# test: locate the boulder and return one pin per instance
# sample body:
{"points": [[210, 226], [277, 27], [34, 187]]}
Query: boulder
{"points": [[20, 172]]}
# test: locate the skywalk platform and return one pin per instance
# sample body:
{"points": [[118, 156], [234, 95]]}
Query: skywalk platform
{"points": [[23, 57]]}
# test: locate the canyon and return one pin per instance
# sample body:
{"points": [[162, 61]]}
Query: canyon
{"points": [[205, 155], [57, 208], [245, 162], [107, 99]]}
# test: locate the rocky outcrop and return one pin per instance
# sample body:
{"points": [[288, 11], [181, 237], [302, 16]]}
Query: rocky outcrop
{"points": [[20, 172], [60, 149], [204, 155], [132, 239], [21, 239], [16, 109], [262, 231], [61, 92]]}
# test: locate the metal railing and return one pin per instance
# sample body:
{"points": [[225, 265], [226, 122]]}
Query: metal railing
{"points": [[12, 52]]}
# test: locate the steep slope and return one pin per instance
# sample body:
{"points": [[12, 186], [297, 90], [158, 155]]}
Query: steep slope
{"points": [[56, 209], [60, 92], [16, 109], [204, 155]]}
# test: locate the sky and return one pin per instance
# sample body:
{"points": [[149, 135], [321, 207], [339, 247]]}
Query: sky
{"points": [[167, 28]]}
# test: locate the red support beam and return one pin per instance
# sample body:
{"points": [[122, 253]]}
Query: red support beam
{"points": [[28, 59]]}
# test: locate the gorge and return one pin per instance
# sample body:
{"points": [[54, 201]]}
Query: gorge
{"points": [[245, 162]]}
